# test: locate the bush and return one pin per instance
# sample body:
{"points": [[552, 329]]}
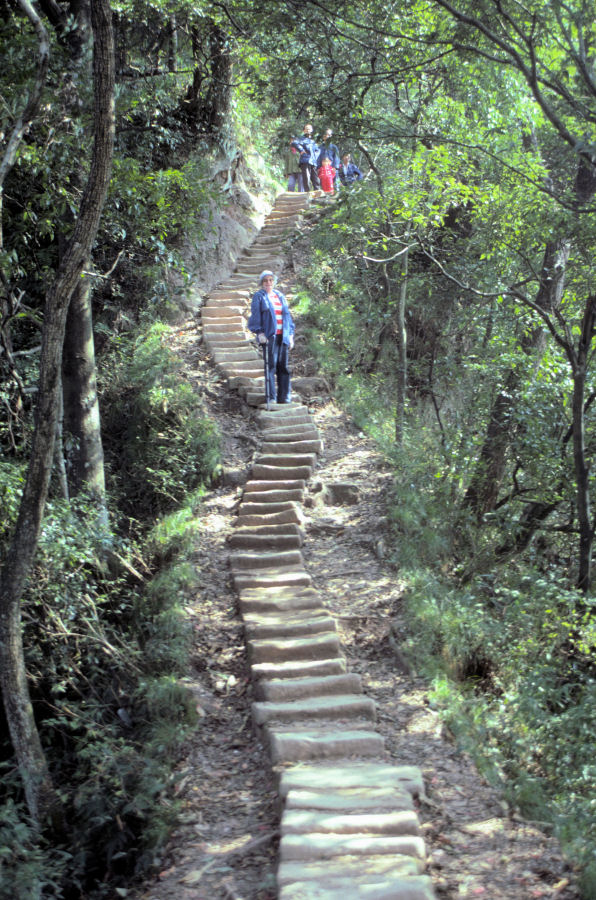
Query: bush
{"points": [[160, 445]]}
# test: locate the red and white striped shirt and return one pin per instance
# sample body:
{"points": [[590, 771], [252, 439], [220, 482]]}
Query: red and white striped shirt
{"points": [[277, 307]]}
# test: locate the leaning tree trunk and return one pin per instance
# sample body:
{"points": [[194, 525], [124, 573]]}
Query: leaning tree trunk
{"points": [[42, 799]]}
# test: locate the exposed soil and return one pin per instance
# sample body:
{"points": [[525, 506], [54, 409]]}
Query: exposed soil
{"points": [[225, 845]]}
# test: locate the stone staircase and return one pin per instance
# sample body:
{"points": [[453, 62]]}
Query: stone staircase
{"points": [[349, 828]]}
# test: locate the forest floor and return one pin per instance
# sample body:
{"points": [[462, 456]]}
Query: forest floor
{"points": [[226, 841]]}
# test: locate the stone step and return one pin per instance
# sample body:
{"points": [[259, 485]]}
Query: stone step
{"points": [[289, 426], [227, 341], [219, 294], [264, 541], [278, 420], [292, 433], [295, 599], [274, 497], [239, 378], [310, 446], [324, 777], [288, 459], [256, 485], [265, 560], [373, 868], [344, 708], [296, 745], [286, 516], [268, 579], [284, 690], [247, 353], [325, 846], [318, 668], [318, 646], [248, 508], [304, 821], [360, 888], [248, 364], [351, 799], [310, 623], [221, 327], [210, 313], [280, 474], [267, 529]]}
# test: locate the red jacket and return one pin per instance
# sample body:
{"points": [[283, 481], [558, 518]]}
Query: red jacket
{"points": [[327, 175]]}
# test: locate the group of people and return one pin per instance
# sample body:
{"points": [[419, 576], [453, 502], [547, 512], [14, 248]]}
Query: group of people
{"points": [[311, 166]]}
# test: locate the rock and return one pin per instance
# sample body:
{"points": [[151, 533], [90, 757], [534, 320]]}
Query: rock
{"points": [[341, 493]]}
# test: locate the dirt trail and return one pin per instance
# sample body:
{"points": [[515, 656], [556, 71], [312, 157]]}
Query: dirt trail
{"points": [[226, 844]]}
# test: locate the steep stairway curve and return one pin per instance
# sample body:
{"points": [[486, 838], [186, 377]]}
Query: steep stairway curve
{"points": [[348, 827]]}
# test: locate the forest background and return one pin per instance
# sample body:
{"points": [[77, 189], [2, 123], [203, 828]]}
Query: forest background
{"points": [[451, 303]]}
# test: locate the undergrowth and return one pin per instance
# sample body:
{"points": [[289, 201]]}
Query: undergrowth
{"points": [[506, 641], [107, 640]]}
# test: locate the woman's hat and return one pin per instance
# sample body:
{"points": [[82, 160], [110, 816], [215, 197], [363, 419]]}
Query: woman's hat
{"points": [[264, 275]]}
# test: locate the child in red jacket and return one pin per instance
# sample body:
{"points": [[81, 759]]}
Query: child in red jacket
{"points": [[326, 173]]}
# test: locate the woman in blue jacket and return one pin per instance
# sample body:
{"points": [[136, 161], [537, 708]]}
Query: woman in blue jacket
{"points": [[271, 321]]}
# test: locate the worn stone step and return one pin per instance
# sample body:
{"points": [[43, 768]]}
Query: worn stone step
{"points": [[246, 362], [268, 579], [288, 426], [325, 846], [264, 541], [239, 381], [256, 485], [318, 646], [265, 529], [298, 745], [319, 623], [305, 821], [285, 690], [228, 339], [284, 516], [276, 625], [275, 599], [360, 888], [298, 433], [230, 293], [248, 508], [331, 709], [351, 799], [317, 668], [285, 414], [274, 497], [325, 777], [282, 460], [373, 868], [280, 475], [221, 311], [242, 354], [282, 447], [265, 559]]}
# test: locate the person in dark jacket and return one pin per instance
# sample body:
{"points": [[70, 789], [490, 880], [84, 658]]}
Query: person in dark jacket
{"points": [[349, 171], [309, 152], [329, 149], [271, 321]]}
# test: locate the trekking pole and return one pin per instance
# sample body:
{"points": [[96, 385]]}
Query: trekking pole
{"points": [[266, 373]]}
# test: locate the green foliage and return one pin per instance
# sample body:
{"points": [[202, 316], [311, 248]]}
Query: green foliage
{"points": [[157, 434], [103, 656]]}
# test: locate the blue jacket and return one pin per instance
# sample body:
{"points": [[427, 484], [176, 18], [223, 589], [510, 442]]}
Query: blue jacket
{"points": [[262, 316], [307, 148], [353, 174], [332, 152]]}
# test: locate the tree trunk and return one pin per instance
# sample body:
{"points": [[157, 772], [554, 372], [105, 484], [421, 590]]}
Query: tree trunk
{"points": [[402, 356], [81, 405], [42, 799], [483, 491]]}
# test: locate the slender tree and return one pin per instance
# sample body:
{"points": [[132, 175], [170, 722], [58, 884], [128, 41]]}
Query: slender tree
{"points": [[42, 799]]}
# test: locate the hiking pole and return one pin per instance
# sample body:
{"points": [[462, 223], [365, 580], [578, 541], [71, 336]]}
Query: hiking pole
{"points": [[266, 373]]}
